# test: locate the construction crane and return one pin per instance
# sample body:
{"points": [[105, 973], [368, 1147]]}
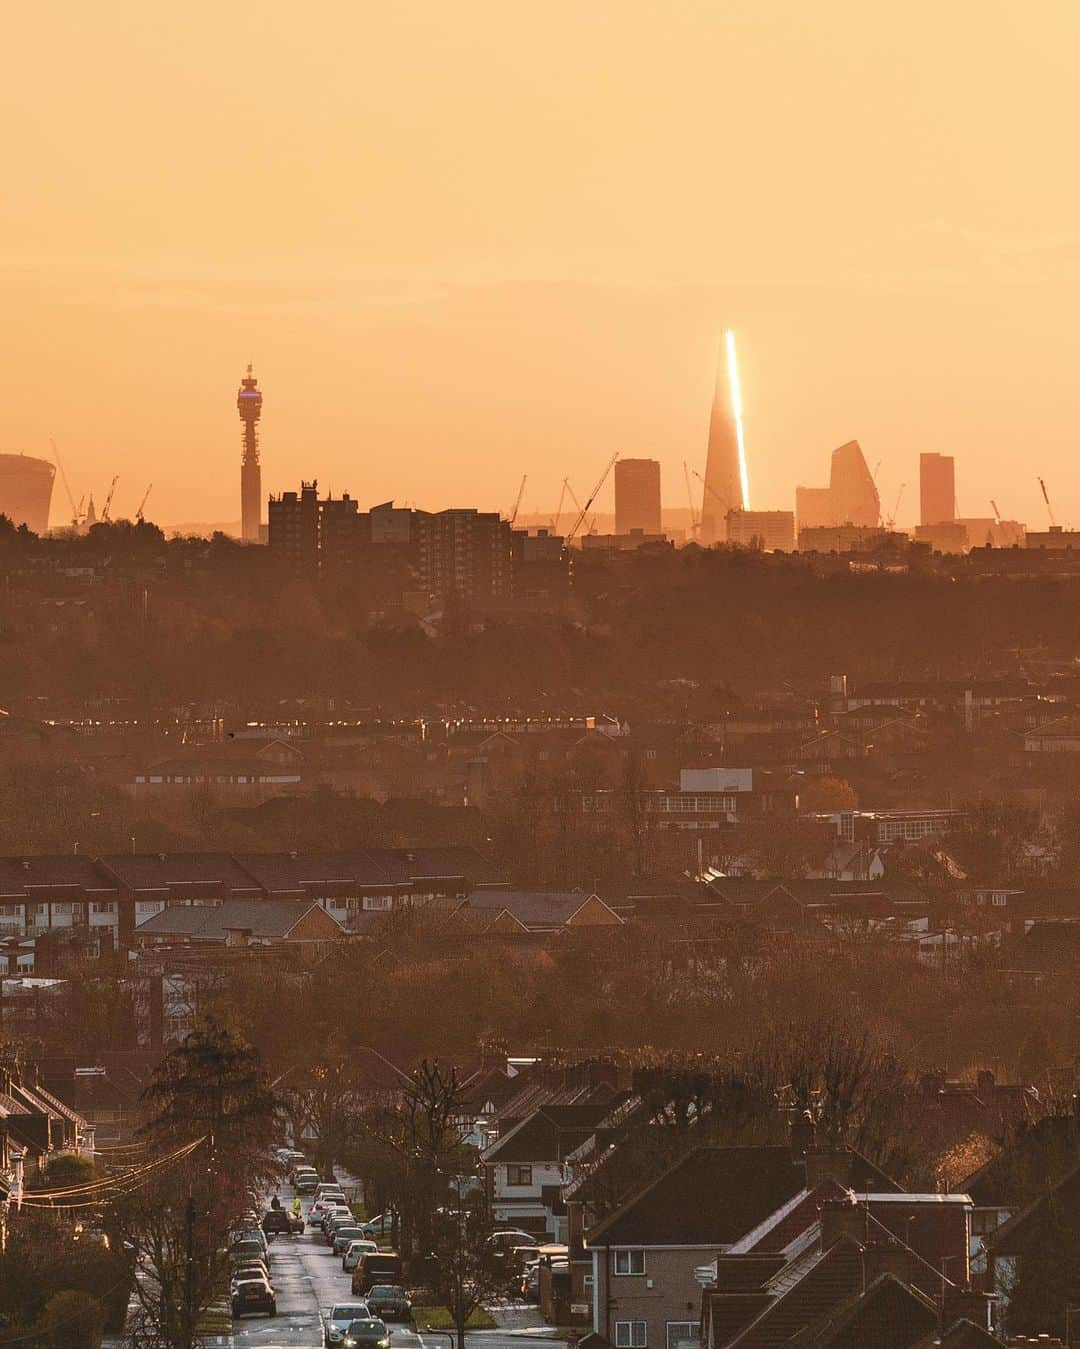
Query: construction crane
{"points": [[577, 504], [142, 505], [712, 492], [572, 535], [695, 519], [558, 510], [997, 513], [76, 511], [890, 519], [517, 500], [108, 500], [1049, 508]]}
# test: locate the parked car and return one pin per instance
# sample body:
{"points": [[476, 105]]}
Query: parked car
{"points": [[336, 1217], [342, 1237], [506, 1238], [356, 1248], [245, 1252], [388, 1300], [376, 1267], [341, 1316], [381, 1226], [254, 1295], [370, 1333], [255, 1270], [253, 1232]]}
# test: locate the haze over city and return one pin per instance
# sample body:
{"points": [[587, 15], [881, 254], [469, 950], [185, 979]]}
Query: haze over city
{"points": [[466, 242], [540, 682]]}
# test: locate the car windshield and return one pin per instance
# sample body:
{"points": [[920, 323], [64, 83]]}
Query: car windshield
{"points": [[251, 1283], [367, 1329], [386, 1290], [348, 1311]]}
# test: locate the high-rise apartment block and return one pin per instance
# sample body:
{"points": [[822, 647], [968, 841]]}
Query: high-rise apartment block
{"points": [[937, 488], [466, 553], [637, 496], [769, 531]]}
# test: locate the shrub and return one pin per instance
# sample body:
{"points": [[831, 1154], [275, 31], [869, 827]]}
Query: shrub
{"points": [[72, 1320]]}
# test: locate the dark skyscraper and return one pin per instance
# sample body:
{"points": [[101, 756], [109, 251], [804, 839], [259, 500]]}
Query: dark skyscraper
{"points": [[637, 496], [725, 467], [937, 488], [249, 405]]}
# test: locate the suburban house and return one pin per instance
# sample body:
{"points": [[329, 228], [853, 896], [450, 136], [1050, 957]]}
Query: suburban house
{"points": [[647, 1255], [240, 922], [34, 1124], [547, 911], [850, 1279], [526, 1165]]}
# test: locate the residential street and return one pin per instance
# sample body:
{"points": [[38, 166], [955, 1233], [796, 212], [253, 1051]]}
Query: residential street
{"points": [[309, 1279]]}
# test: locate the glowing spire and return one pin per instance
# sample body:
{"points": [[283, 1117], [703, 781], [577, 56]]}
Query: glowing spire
{"points": [[736, 407]]}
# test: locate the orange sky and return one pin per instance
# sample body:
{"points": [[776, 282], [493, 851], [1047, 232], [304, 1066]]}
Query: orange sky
{"points": [[467, 239]]}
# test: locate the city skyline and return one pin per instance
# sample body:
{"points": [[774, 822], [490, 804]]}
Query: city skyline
{"points": [[892, 277]]}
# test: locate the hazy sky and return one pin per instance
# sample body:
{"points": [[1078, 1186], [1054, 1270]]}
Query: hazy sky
{"points": [[464, 240]]}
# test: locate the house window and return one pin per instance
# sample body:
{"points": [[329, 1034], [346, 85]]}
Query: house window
{"points": [[677, 1331], [629, 1262], [630, 1334], [102, 906], [519, 1175], [999, 901], [378, 903]]}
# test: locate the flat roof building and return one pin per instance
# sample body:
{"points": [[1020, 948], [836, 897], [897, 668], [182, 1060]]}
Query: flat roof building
{"points": [[637, 496], [937, 488], [770, 531]]}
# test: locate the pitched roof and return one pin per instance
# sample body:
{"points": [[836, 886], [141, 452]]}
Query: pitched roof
{"points": [[266, 918], [537, 909], [710, 1197], [1044, 1153], [1016, 1234], [889, 1315], [18, 875], [547, 1135], [166, 871], [803, 1292], [963, 1335]]}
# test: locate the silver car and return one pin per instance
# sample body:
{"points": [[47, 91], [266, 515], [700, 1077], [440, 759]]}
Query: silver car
{"points": [[340, 1318]]}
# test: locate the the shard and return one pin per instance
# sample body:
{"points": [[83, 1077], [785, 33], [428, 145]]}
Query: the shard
{"points": [[725, 466]]}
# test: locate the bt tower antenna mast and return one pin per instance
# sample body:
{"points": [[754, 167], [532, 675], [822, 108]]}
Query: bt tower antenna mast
{"points": [[249, 405]]}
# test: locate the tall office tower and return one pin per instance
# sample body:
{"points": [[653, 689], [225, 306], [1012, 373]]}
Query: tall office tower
{"points": [[851, 497], [249, 405], [937, 488], [854, 492], [637, 496], [26, 490], [726, 486]]}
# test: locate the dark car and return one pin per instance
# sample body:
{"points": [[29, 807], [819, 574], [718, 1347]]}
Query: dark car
{"points": [[388, 1300], [380, 1267], [367, 1334], [280, 1222], [253, 1295]]}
